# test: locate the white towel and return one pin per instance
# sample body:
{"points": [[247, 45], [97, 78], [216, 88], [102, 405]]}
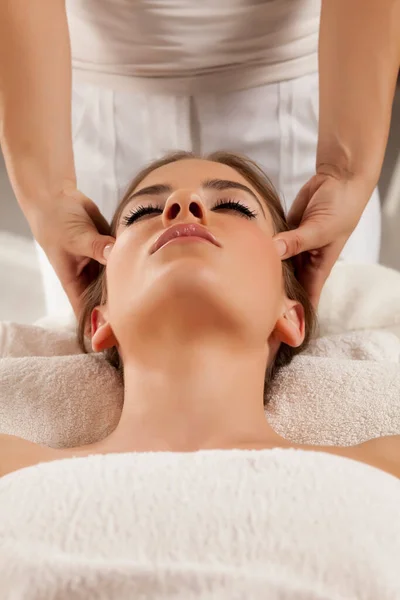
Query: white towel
{"points": [[223, 525], [344, 390], [359, 297]]}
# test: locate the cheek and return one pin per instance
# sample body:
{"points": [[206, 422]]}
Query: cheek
{"points": [[121, 269], [258, 255], [258, 269]]}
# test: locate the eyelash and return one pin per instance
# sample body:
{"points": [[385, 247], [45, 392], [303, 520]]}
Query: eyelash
{"points": [[222, 203], [235, 205]]}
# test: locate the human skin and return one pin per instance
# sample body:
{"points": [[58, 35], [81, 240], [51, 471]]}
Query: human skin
{"points": [[196, 324]]}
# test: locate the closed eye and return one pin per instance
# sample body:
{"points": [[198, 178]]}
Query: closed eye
{"points": [[228, 204], [222, 204], [141, 211]]}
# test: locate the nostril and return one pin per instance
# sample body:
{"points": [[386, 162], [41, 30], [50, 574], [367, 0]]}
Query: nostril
{"points": [[195, 209], [174, 210]]}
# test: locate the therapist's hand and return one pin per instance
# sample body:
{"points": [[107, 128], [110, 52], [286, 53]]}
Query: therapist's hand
{"points": [[73, 233], [322, 218]]}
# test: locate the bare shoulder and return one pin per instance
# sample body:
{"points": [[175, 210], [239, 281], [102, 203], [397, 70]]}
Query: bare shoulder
{"points": [[386, 451], [382, 453], [17, 453]]}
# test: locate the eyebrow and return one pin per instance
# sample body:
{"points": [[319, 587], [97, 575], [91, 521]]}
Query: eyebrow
{"points": [[209, 184]]}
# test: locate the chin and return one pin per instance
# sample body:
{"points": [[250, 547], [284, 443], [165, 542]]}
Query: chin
{"points": [[188, 278], [186, 296]]}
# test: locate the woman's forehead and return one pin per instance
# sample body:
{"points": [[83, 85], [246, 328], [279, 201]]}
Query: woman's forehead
{"points": [[190, 173]]}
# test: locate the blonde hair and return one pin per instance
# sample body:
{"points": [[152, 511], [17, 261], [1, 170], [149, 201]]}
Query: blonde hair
{"points": [[96, 293]]}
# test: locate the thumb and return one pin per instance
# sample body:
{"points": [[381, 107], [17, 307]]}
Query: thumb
{"points": [[92, 245], [309, 236]]}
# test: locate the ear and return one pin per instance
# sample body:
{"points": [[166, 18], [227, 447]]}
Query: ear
{"points": [[290, 327], [102, 334]]}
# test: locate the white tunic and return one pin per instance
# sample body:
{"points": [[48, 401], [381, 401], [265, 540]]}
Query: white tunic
{"points": [[189, 46]]}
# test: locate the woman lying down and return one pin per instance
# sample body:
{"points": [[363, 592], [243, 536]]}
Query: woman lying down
{"points": [[194, 495], [199, 311]]}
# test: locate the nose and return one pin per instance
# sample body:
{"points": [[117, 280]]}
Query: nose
{"points": [[184, 206]]}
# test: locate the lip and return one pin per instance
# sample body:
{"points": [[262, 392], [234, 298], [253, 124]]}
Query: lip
{"points": [[184, 230]]}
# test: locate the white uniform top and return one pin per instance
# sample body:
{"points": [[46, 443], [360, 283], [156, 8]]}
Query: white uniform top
{"points": [[190, 46]]}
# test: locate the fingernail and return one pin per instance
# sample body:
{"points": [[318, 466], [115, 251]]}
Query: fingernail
{"points": [[281, 247], [107, 250]]}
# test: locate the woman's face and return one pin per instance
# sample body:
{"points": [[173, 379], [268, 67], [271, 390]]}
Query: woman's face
{"points": [[195, 239]]}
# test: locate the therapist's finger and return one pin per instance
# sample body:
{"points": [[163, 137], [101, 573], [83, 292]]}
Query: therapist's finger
{"points": [[309, 236], [298, 207]]}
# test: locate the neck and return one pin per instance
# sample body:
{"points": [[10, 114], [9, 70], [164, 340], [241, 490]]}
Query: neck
{"points": [[185, 395]]}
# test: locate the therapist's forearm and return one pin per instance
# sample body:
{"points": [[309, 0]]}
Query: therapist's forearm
{"points": [[35, 99], [359, 57]]}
